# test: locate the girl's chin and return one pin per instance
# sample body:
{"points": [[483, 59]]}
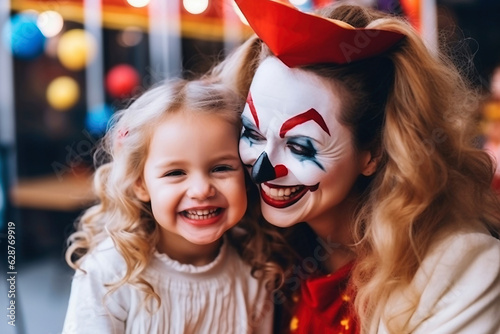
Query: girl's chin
{"points": [[205, 241]]}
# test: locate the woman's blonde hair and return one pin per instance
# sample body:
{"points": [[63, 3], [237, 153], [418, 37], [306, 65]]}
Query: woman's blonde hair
{"points": [[415, 112], [121, 157]]}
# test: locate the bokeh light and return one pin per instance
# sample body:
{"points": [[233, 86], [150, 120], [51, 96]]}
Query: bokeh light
{"points": [[62, 93], [298, 2], [121, 80], [239, 13], [130, 36], [22, 36], [138, 3], [97, 119], [76, 49], [195, 6], [50, 23]]}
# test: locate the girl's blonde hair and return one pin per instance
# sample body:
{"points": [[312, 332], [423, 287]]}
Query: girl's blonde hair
{"points": [[121, 157], [416, 113]]}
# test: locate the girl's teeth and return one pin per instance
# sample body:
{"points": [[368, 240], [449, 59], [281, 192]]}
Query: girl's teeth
{"points": [[201, 214]]}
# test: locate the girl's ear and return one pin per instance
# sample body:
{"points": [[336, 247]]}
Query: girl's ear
{"points": [[141, 191], [369, 163]]}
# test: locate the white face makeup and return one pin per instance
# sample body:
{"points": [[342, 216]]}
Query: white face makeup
{"points": [[301, 156]]}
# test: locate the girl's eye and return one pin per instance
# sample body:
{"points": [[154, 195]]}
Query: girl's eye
{"points": [[222, 168], [174, 173], [252, 134]]}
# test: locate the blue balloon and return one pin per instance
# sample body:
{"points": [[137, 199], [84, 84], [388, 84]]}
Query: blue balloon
{"points": [[97, 119], [23, 37]]}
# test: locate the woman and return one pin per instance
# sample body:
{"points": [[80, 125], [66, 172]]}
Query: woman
{"points": [[369, 144]]}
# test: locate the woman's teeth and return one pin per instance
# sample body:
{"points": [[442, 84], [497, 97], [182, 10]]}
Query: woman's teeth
{"points": [[282, 193], [201, 214]]}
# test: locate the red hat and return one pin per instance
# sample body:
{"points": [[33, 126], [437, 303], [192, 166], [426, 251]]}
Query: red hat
{"points": [[299, 38]]}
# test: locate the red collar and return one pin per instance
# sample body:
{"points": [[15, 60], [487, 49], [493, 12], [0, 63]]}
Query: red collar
{"points": [[321, 292]]}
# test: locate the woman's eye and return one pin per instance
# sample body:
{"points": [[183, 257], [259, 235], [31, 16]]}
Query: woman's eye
{"points": [[252, 134], [174, 173], [305, 151]]}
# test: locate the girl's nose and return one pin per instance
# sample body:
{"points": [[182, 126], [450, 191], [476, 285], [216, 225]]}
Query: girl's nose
{"points": [[201, 188]]}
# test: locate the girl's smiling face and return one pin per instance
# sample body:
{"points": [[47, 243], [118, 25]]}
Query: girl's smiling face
{"points": [[303, 159], [194, 178]]}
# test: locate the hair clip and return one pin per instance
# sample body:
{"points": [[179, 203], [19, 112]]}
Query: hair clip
{"points": [[299, 38], [121, 134]]}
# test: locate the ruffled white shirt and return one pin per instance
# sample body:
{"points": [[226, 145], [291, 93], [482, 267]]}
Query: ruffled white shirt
{"points": [[220, 297]]}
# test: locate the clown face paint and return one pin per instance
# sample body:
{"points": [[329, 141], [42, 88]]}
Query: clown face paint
{"points": [[302, 158]]}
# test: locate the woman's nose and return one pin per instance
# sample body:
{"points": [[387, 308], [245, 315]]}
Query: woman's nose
{"points": [[263, 170], [201, 188]]}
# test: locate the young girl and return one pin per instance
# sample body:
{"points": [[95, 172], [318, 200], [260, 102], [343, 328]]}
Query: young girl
{"points": [[353, 127], [158, 253]]}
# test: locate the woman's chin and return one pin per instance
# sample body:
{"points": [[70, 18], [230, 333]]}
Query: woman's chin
{"points": [[279, 217]]}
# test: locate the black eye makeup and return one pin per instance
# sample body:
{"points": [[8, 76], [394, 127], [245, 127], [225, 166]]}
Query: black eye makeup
{"points": [[250, 132], [303, 148]]}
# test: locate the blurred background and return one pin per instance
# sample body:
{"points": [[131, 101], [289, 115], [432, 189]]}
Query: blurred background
{"points": [[67, 65]]}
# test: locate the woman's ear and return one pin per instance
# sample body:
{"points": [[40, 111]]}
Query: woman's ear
{"points": [[369, 163], [141, 191]]}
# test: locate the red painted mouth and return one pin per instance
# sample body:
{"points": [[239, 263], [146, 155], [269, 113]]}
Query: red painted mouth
{"points": [[282, 197]]}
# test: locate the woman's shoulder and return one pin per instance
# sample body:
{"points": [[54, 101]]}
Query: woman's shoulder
{"points": [[457, 286], [463, 247], [462, 269]]}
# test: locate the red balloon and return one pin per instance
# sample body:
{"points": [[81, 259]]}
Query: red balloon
{"points": [[121, 80]]}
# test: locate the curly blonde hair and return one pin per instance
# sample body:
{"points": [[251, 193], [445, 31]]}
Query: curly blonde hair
{"points": [[414, 111], [129, 222]]}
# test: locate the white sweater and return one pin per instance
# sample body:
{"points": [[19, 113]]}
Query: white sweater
{"points": [[220, 297], [459, 287]]}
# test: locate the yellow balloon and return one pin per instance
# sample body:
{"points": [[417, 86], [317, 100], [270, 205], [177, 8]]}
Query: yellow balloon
{"points": [[62, 93], [76, 49]]}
